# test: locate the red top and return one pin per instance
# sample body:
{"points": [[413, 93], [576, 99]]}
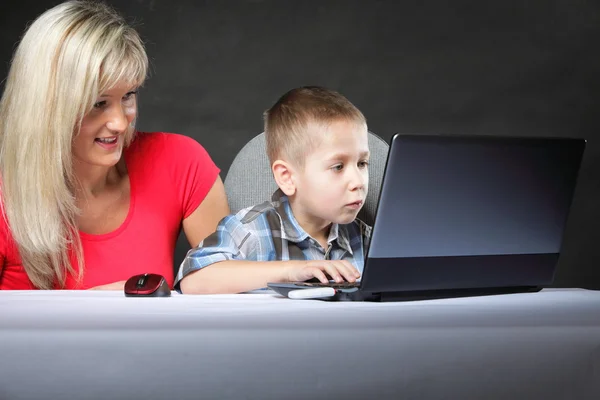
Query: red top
{"points": [[169, 176]]}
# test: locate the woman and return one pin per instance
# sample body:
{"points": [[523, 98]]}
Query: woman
{"points": [[88, 201]]}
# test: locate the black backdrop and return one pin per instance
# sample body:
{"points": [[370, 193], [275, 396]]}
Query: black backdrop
{"points": [[476, 67]]}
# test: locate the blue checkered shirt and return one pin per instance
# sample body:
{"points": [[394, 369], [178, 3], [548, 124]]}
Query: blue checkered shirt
{"points": [[269, 232]]}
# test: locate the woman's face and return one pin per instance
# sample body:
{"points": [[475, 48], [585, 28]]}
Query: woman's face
{"points": [[102, 135]]}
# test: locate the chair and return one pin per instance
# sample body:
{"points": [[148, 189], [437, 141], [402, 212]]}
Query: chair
{"points": [[249, 180]]}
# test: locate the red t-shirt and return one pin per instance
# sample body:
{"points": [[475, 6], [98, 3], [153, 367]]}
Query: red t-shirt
{"points": [[169, 175]]}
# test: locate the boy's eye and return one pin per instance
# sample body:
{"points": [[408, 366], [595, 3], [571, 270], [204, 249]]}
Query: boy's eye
{"points": [[363, 164], [338, 167]]}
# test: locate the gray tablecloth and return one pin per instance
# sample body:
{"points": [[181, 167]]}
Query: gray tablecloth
{"points": [[101, 345]]}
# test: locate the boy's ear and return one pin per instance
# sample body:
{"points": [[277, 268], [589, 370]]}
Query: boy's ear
{"points": [[284, 177]]}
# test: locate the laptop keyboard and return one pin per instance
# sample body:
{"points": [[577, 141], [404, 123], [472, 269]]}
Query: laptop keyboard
{"points": [[341, 285]]}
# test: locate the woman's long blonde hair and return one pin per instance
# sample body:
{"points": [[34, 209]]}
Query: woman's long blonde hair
{"points": [[67, 57]]}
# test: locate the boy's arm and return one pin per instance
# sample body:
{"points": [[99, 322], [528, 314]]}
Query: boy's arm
{"points": [[226, 263], [238, 276]]}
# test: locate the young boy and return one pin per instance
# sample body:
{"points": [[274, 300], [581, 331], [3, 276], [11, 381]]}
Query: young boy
{"points": [[317, 144]]}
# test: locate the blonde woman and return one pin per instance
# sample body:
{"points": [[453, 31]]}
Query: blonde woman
{"points": [[87, 201]]}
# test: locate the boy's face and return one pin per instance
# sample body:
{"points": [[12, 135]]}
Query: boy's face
{"points": [[333, 184]]}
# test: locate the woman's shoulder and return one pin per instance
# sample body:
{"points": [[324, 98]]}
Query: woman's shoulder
{"points": [[171, 158], [162, 139], [173, 146]]}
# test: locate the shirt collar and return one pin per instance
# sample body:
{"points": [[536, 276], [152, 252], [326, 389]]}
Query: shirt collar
{"points": [[292, 231]]}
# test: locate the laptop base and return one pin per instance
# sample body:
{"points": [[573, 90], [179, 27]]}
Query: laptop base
{"points": [[355, 294], [450, 293]]}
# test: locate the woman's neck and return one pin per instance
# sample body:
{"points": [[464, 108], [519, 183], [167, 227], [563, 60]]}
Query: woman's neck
{"points": [[92, 181]]}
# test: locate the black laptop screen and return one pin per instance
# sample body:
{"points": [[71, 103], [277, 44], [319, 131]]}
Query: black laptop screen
{"points": [[470, 196]]}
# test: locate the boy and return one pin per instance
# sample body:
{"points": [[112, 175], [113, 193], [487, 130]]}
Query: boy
{"points": [[317, 143]]}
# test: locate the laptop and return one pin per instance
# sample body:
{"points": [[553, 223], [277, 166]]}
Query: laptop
{"points": [[463, 216]]}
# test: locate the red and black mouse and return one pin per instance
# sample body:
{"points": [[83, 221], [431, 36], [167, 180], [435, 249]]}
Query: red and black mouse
{"points": [[147, 285]]}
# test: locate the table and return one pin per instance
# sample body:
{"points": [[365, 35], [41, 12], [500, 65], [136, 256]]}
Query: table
{"points": [[102, 345]]}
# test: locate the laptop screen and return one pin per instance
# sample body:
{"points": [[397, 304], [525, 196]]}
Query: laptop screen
{"points": [[450, 196]]}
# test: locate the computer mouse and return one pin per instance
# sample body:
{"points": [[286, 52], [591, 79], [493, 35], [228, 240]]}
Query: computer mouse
{"points": [[147, 285]]}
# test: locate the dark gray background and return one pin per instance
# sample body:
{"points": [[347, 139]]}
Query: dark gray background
{"points": [[514, 68]]}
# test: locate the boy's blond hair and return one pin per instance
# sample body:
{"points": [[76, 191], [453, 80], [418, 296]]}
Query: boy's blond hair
{"points": [[291, 123]]}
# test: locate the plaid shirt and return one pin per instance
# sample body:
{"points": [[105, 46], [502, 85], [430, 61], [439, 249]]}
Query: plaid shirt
{"points": [[269, 232]]}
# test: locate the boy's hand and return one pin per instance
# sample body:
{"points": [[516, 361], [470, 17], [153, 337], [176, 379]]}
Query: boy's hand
{"points": [[338, 270]]}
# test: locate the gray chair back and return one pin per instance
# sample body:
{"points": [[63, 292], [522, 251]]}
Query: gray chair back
{"points": [[249, 180]]}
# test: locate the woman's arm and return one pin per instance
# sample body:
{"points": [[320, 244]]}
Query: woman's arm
{"points": [[120, 285], [204, 220], [199, 224]]}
